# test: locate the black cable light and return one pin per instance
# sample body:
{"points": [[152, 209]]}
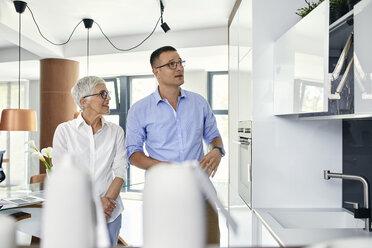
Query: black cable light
{"points": [[166, 27], [163, 25], [18, 119], [88, 23]]}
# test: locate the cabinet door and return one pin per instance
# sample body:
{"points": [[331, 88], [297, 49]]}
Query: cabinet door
{"points": [[234, 74], [245, 28], [245, 61], [301, 65], [363, 57]]}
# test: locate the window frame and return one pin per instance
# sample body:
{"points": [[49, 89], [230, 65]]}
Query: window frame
{"points": [[210, 92], [125, 84]]}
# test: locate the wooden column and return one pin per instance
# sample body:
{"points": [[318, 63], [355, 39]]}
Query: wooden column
{"points": [[57, 77]]}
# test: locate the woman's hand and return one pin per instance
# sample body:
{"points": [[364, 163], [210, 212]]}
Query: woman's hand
{"points": [[108, 206]]}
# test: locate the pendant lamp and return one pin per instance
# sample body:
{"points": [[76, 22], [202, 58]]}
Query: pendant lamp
{"points": [[18, 119], [88, 23]]}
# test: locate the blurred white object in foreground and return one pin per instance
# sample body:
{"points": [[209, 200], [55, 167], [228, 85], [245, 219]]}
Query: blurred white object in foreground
{"points": [[356, 242], [72, 216], [174, 206], [7, 232]]}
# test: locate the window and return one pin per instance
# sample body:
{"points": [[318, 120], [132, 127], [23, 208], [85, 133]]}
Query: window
{"points": [[217, 90], [16, 170], [140, 87], [126, 90]]}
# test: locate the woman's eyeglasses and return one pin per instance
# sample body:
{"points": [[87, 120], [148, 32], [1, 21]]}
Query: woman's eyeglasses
{"points": [[104, 94]]}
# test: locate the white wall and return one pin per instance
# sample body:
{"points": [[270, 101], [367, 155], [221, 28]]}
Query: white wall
{"points": [[289, 155]]}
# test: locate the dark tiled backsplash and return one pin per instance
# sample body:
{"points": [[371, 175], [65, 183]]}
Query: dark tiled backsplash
{"points": [[357, 158]]}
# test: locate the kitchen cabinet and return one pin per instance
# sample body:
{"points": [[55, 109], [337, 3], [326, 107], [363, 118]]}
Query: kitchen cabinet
{"points": [[362, 57], [240, 105], [240, 62], [301, 65], [245, 61], [322, 70]]}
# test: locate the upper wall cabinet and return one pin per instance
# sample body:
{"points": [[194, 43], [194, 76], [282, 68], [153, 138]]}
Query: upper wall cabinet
{"points": [[363, 57], [324, 70], [245, 61], [240, 63], [301, 65]]}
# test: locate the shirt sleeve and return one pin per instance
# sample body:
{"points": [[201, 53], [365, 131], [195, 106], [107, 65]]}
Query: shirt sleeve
{"points": [[59, 145], [210, 125], [135, 134], [120, 164]]}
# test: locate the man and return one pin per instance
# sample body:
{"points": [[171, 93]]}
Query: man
{"points": [[173, 122]]}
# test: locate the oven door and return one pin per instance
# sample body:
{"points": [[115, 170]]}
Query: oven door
{"points": [[245, 172]]}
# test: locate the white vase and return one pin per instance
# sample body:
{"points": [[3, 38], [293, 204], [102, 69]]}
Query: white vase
{"points": [[69, 215], [7, 232], [173, 208]]}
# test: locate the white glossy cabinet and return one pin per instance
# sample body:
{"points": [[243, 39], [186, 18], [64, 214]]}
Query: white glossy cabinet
{"points": [[306, 58], [240, 103], [301, 65], [240, 64], [363, 57], [245, 61]]}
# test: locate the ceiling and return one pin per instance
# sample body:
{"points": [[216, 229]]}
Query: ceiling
{"points": [[198, 31]]}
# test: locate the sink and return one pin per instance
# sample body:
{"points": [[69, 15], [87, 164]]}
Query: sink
{"points": [[311, 219]]}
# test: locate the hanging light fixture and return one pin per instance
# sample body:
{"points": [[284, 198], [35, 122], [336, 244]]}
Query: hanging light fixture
{"points": [[88, 23], [18, 119], [163, 25]]}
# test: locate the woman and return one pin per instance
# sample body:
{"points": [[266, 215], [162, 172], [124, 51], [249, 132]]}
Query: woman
{"points": [[98, 145]]}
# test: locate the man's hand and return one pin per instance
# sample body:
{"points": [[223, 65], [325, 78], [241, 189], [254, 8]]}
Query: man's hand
{"points": [[211, 161], [108, 206]]}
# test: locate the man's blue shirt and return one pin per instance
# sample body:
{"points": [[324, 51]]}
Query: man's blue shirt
{"points": [[170, 135]]}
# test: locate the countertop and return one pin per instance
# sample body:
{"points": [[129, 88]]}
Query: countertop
{"points": [[292, 233]]}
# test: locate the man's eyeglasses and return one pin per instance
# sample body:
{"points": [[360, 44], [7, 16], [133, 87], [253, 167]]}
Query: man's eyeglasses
{"points": [[173, 65], [103, 94]]}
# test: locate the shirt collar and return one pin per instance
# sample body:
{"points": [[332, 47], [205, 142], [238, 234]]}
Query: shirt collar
{"points": [[80, 121], [159, 99]]}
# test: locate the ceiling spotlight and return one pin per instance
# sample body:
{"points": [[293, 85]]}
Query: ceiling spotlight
{"points": [[163, 25]]}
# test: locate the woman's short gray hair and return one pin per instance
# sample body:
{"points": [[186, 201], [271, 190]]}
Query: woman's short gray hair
{"points": [[85, 86]]}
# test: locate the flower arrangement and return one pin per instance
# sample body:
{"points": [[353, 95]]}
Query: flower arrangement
{"points": [[45, 155]]}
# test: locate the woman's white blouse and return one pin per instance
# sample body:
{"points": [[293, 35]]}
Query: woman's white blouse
{"points": [[103, 153]]}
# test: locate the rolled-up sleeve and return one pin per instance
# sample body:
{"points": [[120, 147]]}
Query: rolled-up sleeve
{"points": [[120, 164], [210, 125], [135, 136]]}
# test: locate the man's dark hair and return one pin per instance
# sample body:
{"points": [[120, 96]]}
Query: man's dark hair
{"points": [[155, 54]]}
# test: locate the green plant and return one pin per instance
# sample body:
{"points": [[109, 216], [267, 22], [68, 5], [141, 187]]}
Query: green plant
{"points": [[338, 8], [306, 10]]}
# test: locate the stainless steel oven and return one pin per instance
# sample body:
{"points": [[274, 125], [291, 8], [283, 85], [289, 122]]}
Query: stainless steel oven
{"points": [[245, 161]]}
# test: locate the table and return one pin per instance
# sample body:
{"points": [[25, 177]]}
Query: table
{"points": [[26, 194], [35, 191]]}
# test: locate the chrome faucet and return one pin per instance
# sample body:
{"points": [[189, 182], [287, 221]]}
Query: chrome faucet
{"points": [[358, 212]]}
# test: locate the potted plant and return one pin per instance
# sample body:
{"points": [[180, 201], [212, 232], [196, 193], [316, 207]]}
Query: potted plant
{"points": [[351, 3], [306, 10], [338, 8]]}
